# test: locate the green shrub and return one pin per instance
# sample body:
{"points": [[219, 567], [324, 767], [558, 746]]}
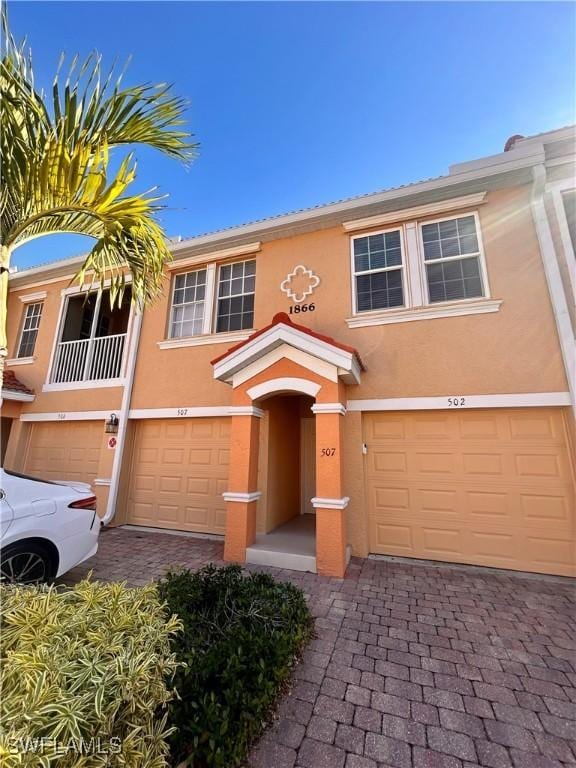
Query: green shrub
{"points": [[84, 676], [241, 636]]}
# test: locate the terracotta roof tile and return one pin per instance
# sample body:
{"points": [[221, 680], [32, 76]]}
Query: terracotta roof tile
{"points": [[281, 318], [15, 385]]}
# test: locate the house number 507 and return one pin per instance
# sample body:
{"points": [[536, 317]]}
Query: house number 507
{"points": [[328, 452]]}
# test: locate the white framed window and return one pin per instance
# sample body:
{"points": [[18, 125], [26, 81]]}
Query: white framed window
{"points": [[188, 304], [29, 332], [418, 270], [378, 267], [202, 304], [453, 261], [236, 286]]}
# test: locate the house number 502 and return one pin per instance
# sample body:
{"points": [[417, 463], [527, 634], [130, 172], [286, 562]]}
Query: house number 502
{"points": [[456, 402]]}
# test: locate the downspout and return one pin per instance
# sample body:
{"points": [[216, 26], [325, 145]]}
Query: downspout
{"points": [[123, 418], [554, 280]]}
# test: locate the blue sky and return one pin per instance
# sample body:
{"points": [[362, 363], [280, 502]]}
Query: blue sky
{"points": [[300, 103]]}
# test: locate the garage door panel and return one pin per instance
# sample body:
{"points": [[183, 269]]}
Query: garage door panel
{"points": [[536, 426], [487, 492], [179, 472], [538, 508], [65, 451], [549, 552], [398, 538], [480, 426]]}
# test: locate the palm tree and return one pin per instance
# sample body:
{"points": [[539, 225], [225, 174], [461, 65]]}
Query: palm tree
{"points": [[56, 174]]}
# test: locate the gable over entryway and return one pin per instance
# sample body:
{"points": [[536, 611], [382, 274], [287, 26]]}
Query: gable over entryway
{"points": [[288, 359]]}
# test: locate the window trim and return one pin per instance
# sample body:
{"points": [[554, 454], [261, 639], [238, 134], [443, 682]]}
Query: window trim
{"points": [[402, 267], [417, 305], [209, 335], [171, 307], [557, 189], [479, 255], [65, 294], [25, 309], [218, 269]]}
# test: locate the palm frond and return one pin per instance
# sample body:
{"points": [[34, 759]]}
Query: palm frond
{"points": [[55, 171]]}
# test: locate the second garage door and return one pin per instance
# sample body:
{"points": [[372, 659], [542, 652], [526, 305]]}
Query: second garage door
{"points": [[65, 450], [489, 487], [179, 472]]}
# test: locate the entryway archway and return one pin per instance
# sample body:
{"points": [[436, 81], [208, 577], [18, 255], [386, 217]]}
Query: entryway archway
{"points": [[289, 361], [285, 515]]}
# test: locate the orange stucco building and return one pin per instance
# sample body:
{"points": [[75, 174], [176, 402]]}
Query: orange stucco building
{"points": [[388, 375]]}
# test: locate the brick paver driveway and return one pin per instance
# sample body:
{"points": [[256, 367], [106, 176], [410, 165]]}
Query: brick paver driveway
{"points": [[413, 664]]}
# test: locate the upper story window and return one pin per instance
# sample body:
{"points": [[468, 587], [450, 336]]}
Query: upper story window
{"points": [[236, 284], [92, 339], [452, 257], [378, 271], [419, 269], [188, 304], [195, 294], [32, 316]]}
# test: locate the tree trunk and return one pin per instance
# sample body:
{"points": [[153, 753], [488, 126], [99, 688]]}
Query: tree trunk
{"points": [[4, 268]]}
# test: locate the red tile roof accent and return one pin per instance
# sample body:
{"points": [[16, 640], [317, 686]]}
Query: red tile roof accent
{"points": [[15, 385], [281, 318]]}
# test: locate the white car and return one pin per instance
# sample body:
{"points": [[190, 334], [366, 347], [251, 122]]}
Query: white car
{"points": [[46, 528]]}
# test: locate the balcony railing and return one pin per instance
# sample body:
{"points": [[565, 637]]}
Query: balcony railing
{"points": [[88, 359]]}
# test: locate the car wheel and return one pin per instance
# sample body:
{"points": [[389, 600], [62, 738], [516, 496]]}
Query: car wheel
{"points": [[23, 563]]}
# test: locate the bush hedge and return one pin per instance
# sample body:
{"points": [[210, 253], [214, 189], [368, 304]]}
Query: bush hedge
{"points": [[240, 638], [84, 676]]}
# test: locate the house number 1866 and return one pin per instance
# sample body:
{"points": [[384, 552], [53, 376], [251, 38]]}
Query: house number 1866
{"points": [[297, 308]]}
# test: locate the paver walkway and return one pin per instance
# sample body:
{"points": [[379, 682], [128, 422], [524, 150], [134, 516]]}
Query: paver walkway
{"points": [[413, 666]]}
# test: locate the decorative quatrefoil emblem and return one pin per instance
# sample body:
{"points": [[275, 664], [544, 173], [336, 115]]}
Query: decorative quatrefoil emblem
{"points": [[300, 283]]}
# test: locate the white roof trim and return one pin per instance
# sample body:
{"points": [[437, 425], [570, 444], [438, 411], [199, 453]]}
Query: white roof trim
{"points": [[466, 201], [22, 397], [207, 258], [504, 162], [279, 334]]}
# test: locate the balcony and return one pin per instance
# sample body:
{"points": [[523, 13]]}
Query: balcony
{"points": [[88, 359], [92, 341]]}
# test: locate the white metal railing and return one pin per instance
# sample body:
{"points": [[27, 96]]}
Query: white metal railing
{"points": [[88, 359]]}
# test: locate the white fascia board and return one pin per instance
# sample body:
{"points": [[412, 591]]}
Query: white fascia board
{"points": [[183, 412], [67, 416], [519, 157], [282, 334], [549, 137], [458, 174], [202, 258], [415, 212], [21, 397], [463, 402]]}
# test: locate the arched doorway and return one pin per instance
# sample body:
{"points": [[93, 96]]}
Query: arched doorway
{"points": [[286, 517], [274, 376]]}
